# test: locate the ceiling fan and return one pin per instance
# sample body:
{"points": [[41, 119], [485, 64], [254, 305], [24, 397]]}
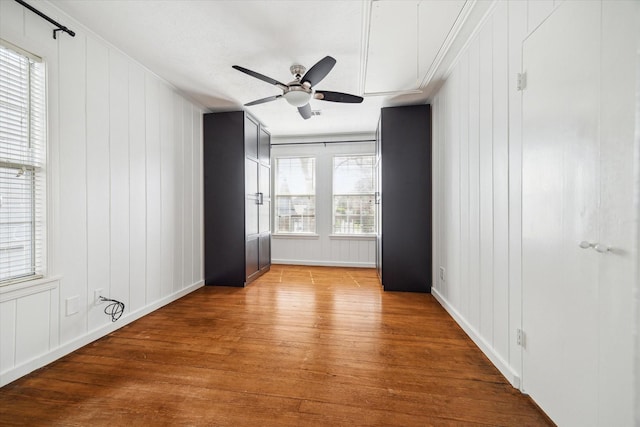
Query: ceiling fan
{"points": [[300, 90]]}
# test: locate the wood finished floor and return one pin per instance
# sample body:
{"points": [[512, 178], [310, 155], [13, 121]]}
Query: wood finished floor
{"points": [[301, 346]]}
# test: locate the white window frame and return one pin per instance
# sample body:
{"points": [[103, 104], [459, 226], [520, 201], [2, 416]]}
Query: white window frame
{"points": [[26, 160], [351, 233], [277, 195]]}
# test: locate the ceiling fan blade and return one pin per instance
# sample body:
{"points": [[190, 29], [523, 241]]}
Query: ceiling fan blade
{"points": [[260, 76], [319, 71], [305, 111], [325, 95], [263, 100]]}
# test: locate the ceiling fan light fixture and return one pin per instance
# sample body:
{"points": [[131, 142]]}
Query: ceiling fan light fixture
{"points": [[297, 96]]}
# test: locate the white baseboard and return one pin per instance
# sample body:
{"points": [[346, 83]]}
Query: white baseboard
{"points": [[324, 263], [40, 361], [485, 347]]}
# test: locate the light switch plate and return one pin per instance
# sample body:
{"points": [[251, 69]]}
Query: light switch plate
{"points": [[73, 305]]}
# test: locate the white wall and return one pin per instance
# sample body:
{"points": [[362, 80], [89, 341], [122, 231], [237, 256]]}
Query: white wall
{"points": [[323, 248], [478, 185], [476, 145], [124, 194]]}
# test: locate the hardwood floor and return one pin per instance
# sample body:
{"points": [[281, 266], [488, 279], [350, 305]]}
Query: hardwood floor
{"points": [[300, 346]]}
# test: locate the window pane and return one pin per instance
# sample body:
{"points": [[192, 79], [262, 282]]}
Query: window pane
{"points": [[16, 223], [353, 195], [353, 175], [296, 214], [296, 176], [22, 177], [354, 214], [295, 198]]}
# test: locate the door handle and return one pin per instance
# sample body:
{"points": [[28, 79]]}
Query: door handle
{"points": [[260, 199], [599, 247], [586, 245]]}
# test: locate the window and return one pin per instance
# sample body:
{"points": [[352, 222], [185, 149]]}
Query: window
{"points": [[22, 149], [353, 195], [295, 191]]}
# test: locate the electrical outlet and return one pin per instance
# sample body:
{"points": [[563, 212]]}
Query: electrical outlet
{"points": [[97, 293], [442, 273]]}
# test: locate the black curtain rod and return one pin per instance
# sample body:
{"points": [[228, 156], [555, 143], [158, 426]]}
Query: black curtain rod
{"points": [[43, 16], [323, 142]]}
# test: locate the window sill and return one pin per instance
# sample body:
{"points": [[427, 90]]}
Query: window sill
{"points": [[307, 236], [27, 287], [352, 236]]}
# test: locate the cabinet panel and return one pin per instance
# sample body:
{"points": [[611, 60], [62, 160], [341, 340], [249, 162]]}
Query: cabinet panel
{"points": [[250, 138], [251, 188], [265, 250], [252, 265], [264, 148], [265, 199]]}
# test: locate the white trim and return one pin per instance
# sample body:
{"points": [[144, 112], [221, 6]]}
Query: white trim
{"points": [[28, 287], [324, 263], [308, 236], [38, 362], [485, 347], [352, 236]]}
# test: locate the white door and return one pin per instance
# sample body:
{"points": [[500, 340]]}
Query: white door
{"points": [[560, 209], [578, 186]]}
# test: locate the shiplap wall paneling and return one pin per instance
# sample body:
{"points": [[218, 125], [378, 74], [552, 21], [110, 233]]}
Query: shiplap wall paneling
{"points": [[119, 176], [198, 196], [179, 207], [8, 333], [473, 248], [73, 242], [486, 180], [474, 184], [187, 192], [153, 193], [137, 190], [323, 249], [98, 176], [168, 167], [114, 187], [500, 172], [619, 211], [465, 217]]}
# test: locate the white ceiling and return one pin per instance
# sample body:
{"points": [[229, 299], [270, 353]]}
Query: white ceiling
{"points": [[383, 49]]}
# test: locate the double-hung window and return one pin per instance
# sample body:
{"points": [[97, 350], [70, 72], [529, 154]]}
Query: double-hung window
{"points": [[22, 161], [353, 194], [295, 192]]}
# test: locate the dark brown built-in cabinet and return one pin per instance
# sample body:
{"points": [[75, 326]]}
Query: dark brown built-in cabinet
{"points": [[237, 199], [403, 156]]}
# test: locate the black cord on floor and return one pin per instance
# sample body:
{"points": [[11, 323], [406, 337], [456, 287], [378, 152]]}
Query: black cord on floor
{"points": [[115, 309]]}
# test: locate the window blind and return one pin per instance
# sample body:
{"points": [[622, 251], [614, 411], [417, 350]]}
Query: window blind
{"points": [[22, 161]]}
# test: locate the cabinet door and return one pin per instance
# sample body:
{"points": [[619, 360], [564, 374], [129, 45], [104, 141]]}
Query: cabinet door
{"points": [[265, 198], [264, 147], [251, 197], [250, 138]]}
